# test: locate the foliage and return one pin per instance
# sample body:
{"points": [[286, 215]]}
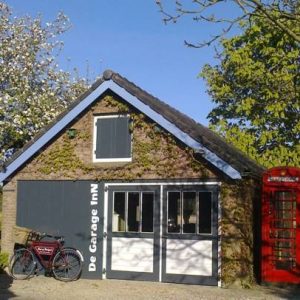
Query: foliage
{"points": [[3, 261], [62, 157], [284, 15], [257, 94], [32, 89], [238, 244], [156, 154]]}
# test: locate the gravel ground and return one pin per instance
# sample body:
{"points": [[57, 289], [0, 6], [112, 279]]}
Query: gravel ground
{"points": [[48, 288]]}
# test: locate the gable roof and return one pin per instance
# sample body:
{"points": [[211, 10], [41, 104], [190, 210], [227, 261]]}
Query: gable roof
{"points": [[212, 147]]}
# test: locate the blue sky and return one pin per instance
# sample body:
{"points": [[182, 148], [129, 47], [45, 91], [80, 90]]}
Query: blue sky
{"points": [[129, 37]]}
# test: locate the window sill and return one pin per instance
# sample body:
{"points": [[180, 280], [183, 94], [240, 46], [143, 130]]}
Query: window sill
{"points": [[111, 164], [112, 160]]}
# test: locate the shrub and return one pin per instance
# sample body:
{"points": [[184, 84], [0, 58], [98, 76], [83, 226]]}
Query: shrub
{"points": [[3, 261]]}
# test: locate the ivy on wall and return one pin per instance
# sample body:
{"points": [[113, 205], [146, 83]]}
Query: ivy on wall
{"points": [[156, 153], [62, 158], [237, 234]]}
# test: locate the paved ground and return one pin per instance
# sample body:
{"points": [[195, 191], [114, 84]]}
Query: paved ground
{"points": [[48, 288]]}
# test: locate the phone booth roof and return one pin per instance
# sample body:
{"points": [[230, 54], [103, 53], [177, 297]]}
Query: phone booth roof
{"points": [[284, 176]]}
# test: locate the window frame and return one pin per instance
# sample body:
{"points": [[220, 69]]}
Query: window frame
{"points": [[141, 193], [197, 192], [114, 159]]}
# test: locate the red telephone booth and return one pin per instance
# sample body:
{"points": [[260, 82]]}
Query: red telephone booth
{"points": [[281, 225]]}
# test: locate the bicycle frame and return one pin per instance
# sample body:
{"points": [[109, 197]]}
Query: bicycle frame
{"points": [[45, 252]]}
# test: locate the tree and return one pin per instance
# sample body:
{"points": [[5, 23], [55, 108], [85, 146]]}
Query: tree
{"points": [[32, 89], [256, 89], [278, 13]]}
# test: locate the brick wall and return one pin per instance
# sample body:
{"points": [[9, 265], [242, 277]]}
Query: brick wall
{"points": [[8, 216], [240, 205]]}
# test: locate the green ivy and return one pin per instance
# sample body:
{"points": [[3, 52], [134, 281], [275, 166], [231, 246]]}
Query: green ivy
{"points": [[237, 235], [62, 159], [111, 102]]}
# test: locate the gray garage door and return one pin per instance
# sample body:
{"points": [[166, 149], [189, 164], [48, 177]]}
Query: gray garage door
{"points": [[73, 209]]}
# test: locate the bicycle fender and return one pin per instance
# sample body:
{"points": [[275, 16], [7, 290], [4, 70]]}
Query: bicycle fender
{"points": [[76, 250]]}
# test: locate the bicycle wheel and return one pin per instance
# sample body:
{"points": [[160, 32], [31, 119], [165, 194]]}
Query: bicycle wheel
{"points": [[22, 264], [67, 265]]}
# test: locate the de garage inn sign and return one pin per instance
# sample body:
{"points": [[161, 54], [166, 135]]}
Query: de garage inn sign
{"points": [[93, 227]]}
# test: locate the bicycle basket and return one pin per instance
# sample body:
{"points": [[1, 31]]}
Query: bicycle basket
{"points": [[32, 237], [24, 236], [21, 234]]}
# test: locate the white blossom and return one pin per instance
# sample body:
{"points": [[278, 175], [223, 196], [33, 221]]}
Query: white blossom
{"points": [[33, 90]]}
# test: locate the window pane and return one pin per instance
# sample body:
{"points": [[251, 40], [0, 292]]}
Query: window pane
{"points": [[113, 137], [122, 138], [284, 224], [205, 212], [105, 137], [119, 212], [133, 213], [174, 215], [147, 212], [285, 196], [189, 212]]}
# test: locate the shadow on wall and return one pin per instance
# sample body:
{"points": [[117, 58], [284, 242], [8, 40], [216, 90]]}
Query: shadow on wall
{"points": [[240, 227], [183, 259]]}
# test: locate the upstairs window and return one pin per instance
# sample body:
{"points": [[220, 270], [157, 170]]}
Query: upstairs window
{"points": [[112, 139]]}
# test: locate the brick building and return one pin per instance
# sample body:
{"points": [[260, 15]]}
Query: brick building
{"points": [[143, 191]]}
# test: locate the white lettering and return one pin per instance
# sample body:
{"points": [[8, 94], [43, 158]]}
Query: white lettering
{"points": [[95, 219], [283, 179], [94, 227], [94, 188], [92, 264], [92, 267], [93, 248]]}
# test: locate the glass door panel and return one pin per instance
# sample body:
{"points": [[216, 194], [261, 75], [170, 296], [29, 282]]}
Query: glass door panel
{"points": [[283, 229]]}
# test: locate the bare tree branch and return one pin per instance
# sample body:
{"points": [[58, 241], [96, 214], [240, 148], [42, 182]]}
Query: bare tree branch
{"points": [[278, 12]]}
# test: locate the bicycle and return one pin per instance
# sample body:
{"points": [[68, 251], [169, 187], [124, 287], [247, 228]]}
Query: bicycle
{"points": [[64, 263]]}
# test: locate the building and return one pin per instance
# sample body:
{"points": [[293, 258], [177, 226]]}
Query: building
{"points": [[144, 192]]}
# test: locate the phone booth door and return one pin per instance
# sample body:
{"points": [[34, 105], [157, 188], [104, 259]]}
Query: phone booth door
{"points": [[280, 226]]}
